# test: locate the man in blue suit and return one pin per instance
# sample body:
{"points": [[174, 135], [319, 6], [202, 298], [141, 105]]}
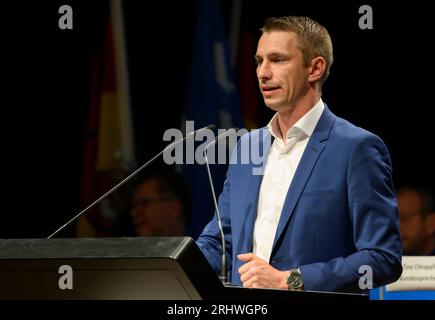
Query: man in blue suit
{"points": [[322, 213]]}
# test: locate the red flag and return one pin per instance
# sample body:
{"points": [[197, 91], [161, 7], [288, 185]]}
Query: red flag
{"points": [[109, 154]]}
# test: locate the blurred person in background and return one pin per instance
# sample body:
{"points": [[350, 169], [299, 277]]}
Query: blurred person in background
{"points": [[417, 221], [160, 205]]}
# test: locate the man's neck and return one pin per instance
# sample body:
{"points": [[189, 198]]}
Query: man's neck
{"points": [[288, 118]]}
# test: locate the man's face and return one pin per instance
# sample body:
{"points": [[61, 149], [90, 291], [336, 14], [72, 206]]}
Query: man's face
{"points": [[412, 223], [149, 212], [282, 77]]}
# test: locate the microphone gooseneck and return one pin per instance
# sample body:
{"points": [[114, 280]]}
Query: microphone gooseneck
{"points": [[171, 145]]}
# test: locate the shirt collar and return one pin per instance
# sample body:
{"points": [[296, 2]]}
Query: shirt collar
{"points": [[306, 124]]}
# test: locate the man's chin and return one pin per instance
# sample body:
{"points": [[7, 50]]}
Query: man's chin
{"points": [[271, 104], [277, 107]]}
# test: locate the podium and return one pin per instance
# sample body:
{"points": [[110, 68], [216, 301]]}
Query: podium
{"points": [[145, 268]]}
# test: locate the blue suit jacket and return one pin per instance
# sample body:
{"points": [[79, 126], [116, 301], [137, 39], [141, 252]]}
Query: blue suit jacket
{"points": [[340, 212]]}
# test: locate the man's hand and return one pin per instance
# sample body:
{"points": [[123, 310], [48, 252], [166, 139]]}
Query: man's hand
{"points": [[257, 273]]}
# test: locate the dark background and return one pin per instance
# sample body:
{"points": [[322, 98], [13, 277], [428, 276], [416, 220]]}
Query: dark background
{"points": [[381, 80]]}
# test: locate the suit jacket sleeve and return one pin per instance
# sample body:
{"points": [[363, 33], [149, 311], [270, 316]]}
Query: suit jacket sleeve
{"points": [[373, 214]]}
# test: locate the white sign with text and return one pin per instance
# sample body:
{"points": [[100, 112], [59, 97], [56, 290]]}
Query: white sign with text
{"points": [[418, 274]]}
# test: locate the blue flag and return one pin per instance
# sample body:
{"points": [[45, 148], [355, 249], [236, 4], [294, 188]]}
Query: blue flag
{"points": [[211, 99]]}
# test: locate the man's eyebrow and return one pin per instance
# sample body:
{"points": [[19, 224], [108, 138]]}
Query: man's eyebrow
{"points": [[277, 54], [272, 54]]}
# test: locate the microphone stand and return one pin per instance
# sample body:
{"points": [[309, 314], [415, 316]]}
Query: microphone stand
{"points": [[224, 273]]}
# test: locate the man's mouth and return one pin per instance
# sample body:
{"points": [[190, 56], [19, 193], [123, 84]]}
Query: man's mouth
{"points": [[269, 89]]}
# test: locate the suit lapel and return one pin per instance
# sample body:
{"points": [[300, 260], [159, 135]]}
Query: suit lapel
{"points": [[312, 152]]}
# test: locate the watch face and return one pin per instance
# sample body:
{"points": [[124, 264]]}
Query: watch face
{"points": [[294, 281]]}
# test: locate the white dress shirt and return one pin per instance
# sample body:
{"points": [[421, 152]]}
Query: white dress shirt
{"points": [[282, 162]]}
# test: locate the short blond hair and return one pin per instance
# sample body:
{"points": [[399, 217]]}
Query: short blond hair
{"points": [[313, 38]]}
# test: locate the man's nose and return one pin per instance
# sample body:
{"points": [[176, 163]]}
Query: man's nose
{"points": [[263, 71]]}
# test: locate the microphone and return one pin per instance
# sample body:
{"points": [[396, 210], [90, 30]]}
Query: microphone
{"points": [[171, 145], [224, 275]]}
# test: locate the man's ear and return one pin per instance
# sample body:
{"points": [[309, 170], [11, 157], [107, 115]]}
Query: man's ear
{"points": [[316, 69]]}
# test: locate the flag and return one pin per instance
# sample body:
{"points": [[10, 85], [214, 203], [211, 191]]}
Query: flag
{"points": [[109, 147], [211, 99]]}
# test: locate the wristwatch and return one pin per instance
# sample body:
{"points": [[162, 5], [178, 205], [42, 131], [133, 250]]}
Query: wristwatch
{"points": [[294, 280]]}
